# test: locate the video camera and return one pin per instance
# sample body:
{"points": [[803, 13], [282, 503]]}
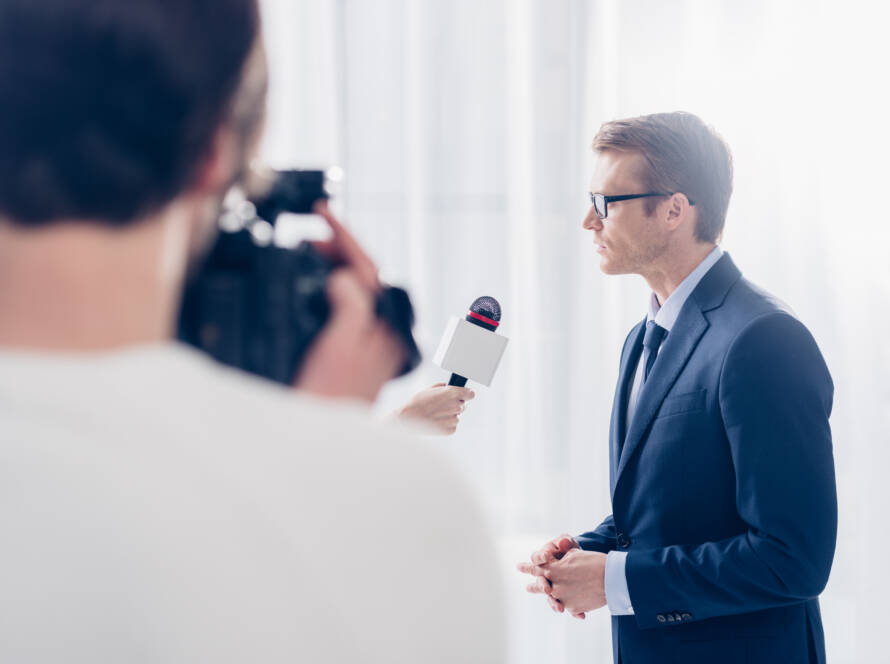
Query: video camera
{"points": [[257, 306]]}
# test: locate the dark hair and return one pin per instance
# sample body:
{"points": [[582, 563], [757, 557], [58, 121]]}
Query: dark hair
{"points": [[107, 107], [682, 154]]}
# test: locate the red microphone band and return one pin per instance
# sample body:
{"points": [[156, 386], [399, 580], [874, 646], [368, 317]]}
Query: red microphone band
{"points": [[483, 319]]}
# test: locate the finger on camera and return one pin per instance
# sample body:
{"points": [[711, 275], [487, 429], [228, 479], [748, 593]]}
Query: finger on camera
{"points": [[345, 247]]}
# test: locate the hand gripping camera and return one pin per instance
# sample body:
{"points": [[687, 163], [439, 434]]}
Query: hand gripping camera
{"points": [[257, 306]]}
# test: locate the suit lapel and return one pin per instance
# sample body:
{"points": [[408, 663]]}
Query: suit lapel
{"points": [[618, 426], [680, 342], [679, 345]]}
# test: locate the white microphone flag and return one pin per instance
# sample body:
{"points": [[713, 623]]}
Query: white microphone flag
{"points": [[470, 351]]}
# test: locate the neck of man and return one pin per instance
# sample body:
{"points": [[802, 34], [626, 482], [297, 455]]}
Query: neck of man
{"points": [[81, 286], [676, 264]]}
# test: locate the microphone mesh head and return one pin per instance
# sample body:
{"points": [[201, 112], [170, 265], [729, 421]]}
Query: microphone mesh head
{"points": [[488, 307]]}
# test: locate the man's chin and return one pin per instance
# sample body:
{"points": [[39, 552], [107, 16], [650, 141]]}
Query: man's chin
{"points": [[608, 267]]}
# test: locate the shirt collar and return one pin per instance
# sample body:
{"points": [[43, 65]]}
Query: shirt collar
{"points": [[665, 315]]}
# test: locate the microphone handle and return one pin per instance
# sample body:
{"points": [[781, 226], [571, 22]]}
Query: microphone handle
{"points": [[458, 380]]}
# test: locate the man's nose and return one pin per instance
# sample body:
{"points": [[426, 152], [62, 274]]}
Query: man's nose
{"points": [[591, 221]]}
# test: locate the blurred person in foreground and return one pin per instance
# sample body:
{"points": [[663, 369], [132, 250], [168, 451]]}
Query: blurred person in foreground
{"points": [[724, 509], [157, 506]]}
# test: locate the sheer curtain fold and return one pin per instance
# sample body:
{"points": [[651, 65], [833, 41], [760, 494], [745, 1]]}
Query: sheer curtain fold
{"points": [[465, 129]]}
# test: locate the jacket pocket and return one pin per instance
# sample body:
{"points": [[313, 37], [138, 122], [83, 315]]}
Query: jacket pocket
{"points": [[686, 402]]}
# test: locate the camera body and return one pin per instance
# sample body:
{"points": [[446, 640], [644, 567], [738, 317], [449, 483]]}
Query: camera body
{"points": [[257, 306]]}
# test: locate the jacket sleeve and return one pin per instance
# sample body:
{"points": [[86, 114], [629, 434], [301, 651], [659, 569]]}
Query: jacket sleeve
{"points": [[601, 539], [775, 398]]}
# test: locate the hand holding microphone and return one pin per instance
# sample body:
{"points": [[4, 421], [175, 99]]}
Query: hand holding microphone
{"points": [[471, 350], [439, 405]]}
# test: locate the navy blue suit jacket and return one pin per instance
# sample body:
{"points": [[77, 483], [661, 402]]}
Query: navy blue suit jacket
{"points": [[723, 487]]}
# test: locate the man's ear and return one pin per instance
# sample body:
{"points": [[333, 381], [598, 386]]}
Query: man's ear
{"points": [[213, 177], [679, 211], [220, 165]]}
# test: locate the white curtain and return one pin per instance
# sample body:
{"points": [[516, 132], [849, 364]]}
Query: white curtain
{"points": [[464, 128]]}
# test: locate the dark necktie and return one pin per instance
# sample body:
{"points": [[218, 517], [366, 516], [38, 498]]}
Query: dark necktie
{"points": [[655, 334]]}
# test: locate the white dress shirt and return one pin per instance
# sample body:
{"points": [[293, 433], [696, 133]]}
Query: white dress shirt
{"points": [[665, 315]]}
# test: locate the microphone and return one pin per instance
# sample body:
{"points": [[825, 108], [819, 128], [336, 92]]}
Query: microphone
{"points": [[470, 349]]}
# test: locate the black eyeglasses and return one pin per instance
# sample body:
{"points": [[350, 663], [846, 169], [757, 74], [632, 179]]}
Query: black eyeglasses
{"points": [[601, 202]]}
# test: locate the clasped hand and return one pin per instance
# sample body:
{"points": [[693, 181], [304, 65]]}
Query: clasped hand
{"points": [[571, 579]]}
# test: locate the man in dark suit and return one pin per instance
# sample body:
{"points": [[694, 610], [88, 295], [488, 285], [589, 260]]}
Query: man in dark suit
{"points": [[724, 510]]}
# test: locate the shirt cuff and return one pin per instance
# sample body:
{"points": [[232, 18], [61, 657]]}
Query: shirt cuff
{"points": [[617, 596]]}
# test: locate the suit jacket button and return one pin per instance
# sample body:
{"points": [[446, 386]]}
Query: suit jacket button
{"points": [[660, 617], [623, 541]]}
